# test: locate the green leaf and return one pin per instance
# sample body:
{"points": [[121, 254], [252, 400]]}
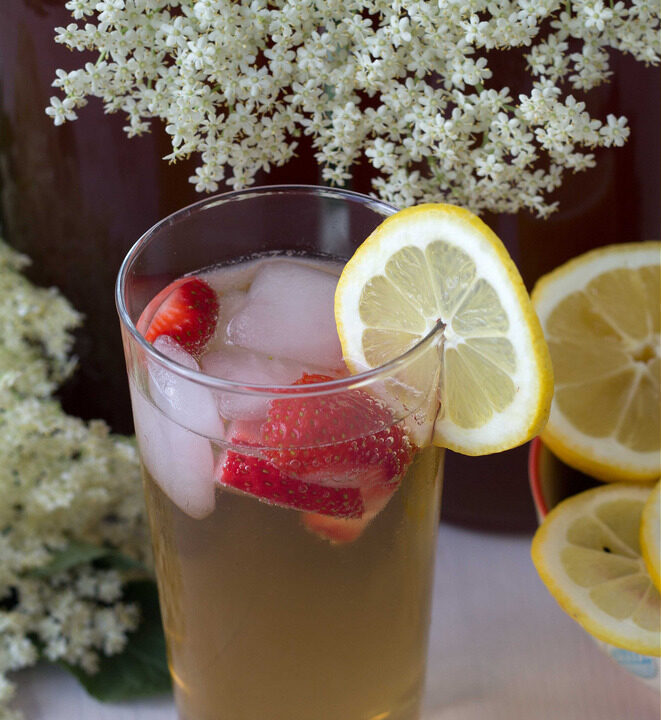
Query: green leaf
{"points": [[79, 553], [141, 669], [75, 553], [118, 561]]}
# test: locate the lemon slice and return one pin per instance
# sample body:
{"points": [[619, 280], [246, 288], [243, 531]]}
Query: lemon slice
{"points": [[650, 535], [587, 552], [600, 314], [492, 374]]}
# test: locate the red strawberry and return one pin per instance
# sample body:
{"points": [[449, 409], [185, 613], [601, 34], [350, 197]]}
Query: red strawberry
{"points": [[350, 468], [258, 477], [186, 310], [345, 530], [343, 439]]}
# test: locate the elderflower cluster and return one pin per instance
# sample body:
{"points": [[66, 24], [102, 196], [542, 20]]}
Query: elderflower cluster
{"points": [[403, 84], [62, 481]]}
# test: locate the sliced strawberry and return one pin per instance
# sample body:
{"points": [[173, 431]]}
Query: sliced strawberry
{"points": [[186, 310], [351, 463], [345, 530], [348, 438], [259, 477], [338, 531]]}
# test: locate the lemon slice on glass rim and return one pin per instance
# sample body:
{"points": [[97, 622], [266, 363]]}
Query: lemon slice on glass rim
{"points": [[587, 553], [600, 314], [440, 263]]}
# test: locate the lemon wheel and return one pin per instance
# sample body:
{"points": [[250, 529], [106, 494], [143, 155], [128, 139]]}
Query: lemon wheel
{"points": [[440, 263], [587, 552], [600, 315]]}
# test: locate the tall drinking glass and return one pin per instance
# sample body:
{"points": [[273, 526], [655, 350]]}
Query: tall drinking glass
{"points": [[293, 516]]}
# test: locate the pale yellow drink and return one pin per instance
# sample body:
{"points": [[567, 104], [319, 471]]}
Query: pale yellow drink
{"points": [[266, 620]]}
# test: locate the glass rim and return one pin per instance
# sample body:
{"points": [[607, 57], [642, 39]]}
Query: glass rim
{"points": [[361, 379]]}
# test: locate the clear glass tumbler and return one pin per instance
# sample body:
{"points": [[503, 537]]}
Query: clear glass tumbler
{"points": [[271, 609]]}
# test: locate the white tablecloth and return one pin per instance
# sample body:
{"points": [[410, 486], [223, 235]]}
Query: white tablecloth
{"points": [[500, 649]]}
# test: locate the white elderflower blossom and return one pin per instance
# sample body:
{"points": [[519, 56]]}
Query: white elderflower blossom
{"points": [[62, 482], [382, 154], [595, 14], [79, 8], [236, 83], [615, 132], [62, 110]]}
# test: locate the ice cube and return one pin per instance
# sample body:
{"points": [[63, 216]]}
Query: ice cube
{"points": [[235, 276], [172, 349], [184, 401], [180, 462], [243, 436], [229, 304], [251, 368], [289, 314]]}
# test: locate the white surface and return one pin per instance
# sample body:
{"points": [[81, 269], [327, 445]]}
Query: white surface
{"points": [[500, 649]]}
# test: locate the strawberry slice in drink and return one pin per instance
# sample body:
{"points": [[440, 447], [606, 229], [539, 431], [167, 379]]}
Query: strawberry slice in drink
{"points": [[345, 530], [258, 477], [186, 310], [337, 458], [347, 438]]}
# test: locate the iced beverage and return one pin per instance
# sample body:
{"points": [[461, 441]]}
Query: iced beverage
{"points": [[293, 506]]}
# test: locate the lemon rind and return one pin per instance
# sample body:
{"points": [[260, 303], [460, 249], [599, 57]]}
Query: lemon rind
{"points": [[585, 268], [602, 458]]}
